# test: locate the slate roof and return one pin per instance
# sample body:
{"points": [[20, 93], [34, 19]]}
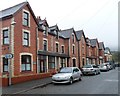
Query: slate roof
{"points": [[43, 22], [101, 45], [107, 50], [93, 42], [79, 34], [53, 29], [12, 10], [67, 33]]}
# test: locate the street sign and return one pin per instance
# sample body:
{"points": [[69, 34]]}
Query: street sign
{"points": [[9, 56]]}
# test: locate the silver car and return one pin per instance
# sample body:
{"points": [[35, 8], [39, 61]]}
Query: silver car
{"points": [[103, 67], [90, 69], [67, 75]]}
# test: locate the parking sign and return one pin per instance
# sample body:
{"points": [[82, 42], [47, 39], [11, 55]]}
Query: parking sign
{"points": [[9, 56]]}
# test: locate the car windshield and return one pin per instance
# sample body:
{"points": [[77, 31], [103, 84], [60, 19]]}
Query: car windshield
{"points": [[87, 66], [66, 70]]}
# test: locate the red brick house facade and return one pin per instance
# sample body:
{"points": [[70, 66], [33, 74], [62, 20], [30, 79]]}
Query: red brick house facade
{"points": [[88, 51], [72, 46], [101, 52], [18, 38], [95, 51], [40, 50], [81, 48]]}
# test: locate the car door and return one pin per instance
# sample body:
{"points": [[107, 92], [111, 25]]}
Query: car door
{"points": [[76, 73], [96, 68]]}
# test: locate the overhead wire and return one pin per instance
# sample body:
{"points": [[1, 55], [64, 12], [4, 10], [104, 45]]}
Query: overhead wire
{"points": [[82, 25]]}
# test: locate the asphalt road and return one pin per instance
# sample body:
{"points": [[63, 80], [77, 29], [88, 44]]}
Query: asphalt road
{"points": [[105, 83]]}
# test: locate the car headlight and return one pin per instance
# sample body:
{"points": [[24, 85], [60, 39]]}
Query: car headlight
{"points": [[53, 77], [67, 77]]}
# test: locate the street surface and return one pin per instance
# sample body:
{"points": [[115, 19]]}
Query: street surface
{"points": [[105, 83]]}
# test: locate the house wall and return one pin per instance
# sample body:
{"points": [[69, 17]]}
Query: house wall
{"points": [[17, 49], [82, 45], [16, 46], [18, 42], [75, 55]]}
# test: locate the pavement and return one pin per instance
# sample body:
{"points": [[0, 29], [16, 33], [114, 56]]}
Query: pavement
{"points": [[26, 86]]}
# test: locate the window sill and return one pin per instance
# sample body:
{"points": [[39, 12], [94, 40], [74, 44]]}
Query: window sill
{"points": [[26, 26], [6, 72], [26, 71], [5, 44], [26, 46]]}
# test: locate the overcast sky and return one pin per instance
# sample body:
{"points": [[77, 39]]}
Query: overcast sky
{"points": [[98, 18]]}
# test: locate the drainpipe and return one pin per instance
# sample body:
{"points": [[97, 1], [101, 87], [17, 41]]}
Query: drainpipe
{"points": [[36, 49], [79, 54]]}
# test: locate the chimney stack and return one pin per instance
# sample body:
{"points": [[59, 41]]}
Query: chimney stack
{"points": [[38, 18]]}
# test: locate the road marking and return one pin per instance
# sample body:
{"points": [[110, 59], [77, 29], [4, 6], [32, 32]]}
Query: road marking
{"points": [[111, 80]]}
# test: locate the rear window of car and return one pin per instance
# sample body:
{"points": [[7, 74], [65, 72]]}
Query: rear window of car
{"points": [[95, 66], [87, 66]]}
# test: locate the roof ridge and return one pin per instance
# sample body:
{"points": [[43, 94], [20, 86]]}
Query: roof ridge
{"points": [[79, 31], [67, 29], [14, 6]]}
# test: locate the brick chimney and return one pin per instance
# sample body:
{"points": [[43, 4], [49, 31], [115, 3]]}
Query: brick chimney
{"points": [[38, 18]]}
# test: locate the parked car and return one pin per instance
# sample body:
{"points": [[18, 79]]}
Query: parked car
{"points": [[117, 64], [90, 69], [67, 75], [104, 67]]}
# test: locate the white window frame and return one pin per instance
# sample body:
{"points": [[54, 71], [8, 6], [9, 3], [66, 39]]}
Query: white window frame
{"points": [[2, 29], [72, 48], [55, 46], [46, 29], [43, 43], [61, 48], [21, 54], [72, 37], [75, 60], [28, 17], [27, 31]]}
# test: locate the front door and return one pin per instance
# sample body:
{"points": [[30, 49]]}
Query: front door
{"points": [[83, 63], [74, 63], [42, 66]]}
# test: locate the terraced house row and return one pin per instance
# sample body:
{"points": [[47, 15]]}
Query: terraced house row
{"points": [[31, 49]]}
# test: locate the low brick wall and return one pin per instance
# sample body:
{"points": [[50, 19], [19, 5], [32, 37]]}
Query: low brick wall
{"points": [[20, 79]]}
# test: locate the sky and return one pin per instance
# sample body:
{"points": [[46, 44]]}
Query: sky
{"points": [[97, 18]]}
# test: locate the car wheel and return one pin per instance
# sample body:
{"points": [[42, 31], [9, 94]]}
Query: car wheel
{"points": [[95, 73], [71, 80], [80, 79], [99, 72]]}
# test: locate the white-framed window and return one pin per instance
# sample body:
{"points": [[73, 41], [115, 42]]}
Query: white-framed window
{"points": [[26, 38], [26, 62], [57, 47], [45, 29], [45, 44], [26, 18], [5, 64], [73, 38], [62, 49], [73, 49], [51, 62], [6, 36]]}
